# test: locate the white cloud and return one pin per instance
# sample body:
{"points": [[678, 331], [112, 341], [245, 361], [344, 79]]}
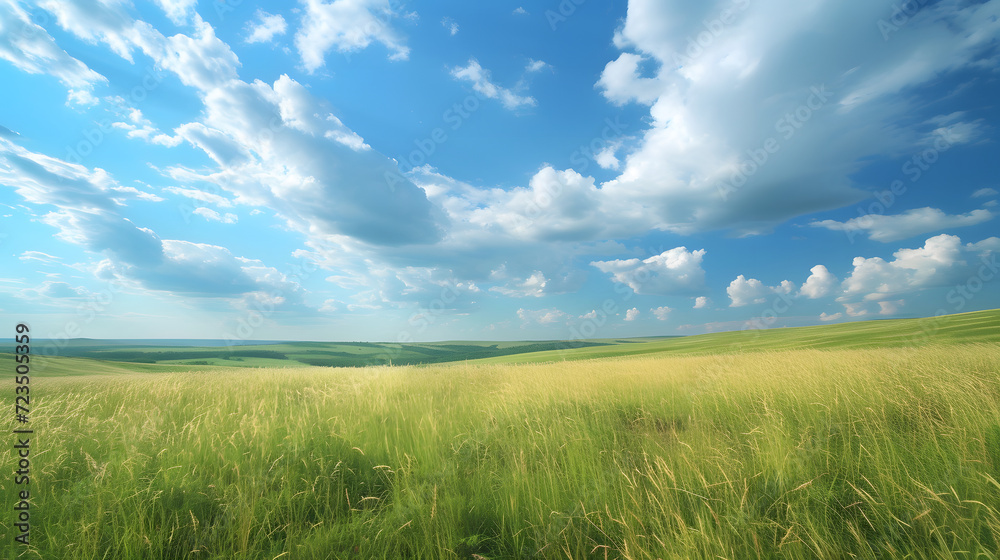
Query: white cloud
{"points": [[31, 49], [178, 10], [744, 292], [53, 290], [632, 314], [701, 302], [890, 307], [543, 316], [87, 215], [81, 98], [202, 61], [825, 317], [199, 60], [986, 246], [203, 196], [942, 260], [885, 228], [307, 167], [451, 25], [675, 271], [985, 192], [95, 21], [214, 216], [718, 90], [661, 313], [479, 77], [606, 157], [39, 256], [532, 286], [120, 194], [536, 65], [520, 11], [820, 283], [621, 83], [556, 205], [347, 25], [266, 28], [855, 309]]}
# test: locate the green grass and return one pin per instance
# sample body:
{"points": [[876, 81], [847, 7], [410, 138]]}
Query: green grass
{"points": [[844, 453], [979, 326], [300, 354], [95, 356]]}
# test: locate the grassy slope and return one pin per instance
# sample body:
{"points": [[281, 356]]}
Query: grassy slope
{"points": [[979, 326], [889, 453], [298, 354]]}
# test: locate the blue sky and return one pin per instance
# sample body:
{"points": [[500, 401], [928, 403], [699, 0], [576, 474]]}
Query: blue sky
{"points": [[394, 171]]}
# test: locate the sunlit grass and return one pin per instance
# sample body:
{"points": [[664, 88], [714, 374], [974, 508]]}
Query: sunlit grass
{"points": [[794, 454]]}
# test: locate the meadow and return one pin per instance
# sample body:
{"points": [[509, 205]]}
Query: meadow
{"points": [[833, 452]]}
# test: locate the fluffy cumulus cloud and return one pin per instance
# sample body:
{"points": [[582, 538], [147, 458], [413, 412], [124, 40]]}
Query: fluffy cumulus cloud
{"points": [[482, 84], [885, 228], [821, 282], [890, 307], [661, 313], [701, 302], [347, 26], [746, 109], [632, 314], [276, 146], [743, 291], [265, 27], [875, 285], [941, 261], [555, 206], [676, 271]]}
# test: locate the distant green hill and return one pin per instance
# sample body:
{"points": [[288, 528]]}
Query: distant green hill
{"points": [[979, 326], [113, 357]]}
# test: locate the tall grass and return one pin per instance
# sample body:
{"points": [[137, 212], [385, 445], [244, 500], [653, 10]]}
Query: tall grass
{"points": [[796, 454]]}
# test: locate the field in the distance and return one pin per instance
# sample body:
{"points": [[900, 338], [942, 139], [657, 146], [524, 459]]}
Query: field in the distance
{"points": [[81, 356], [889, 452]]}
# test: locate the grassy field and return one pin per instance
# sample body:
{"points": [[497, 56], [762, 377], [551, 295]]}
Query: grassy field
{"points": [[979, 326], [300, 354], [79, 355], [815, 453]]}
